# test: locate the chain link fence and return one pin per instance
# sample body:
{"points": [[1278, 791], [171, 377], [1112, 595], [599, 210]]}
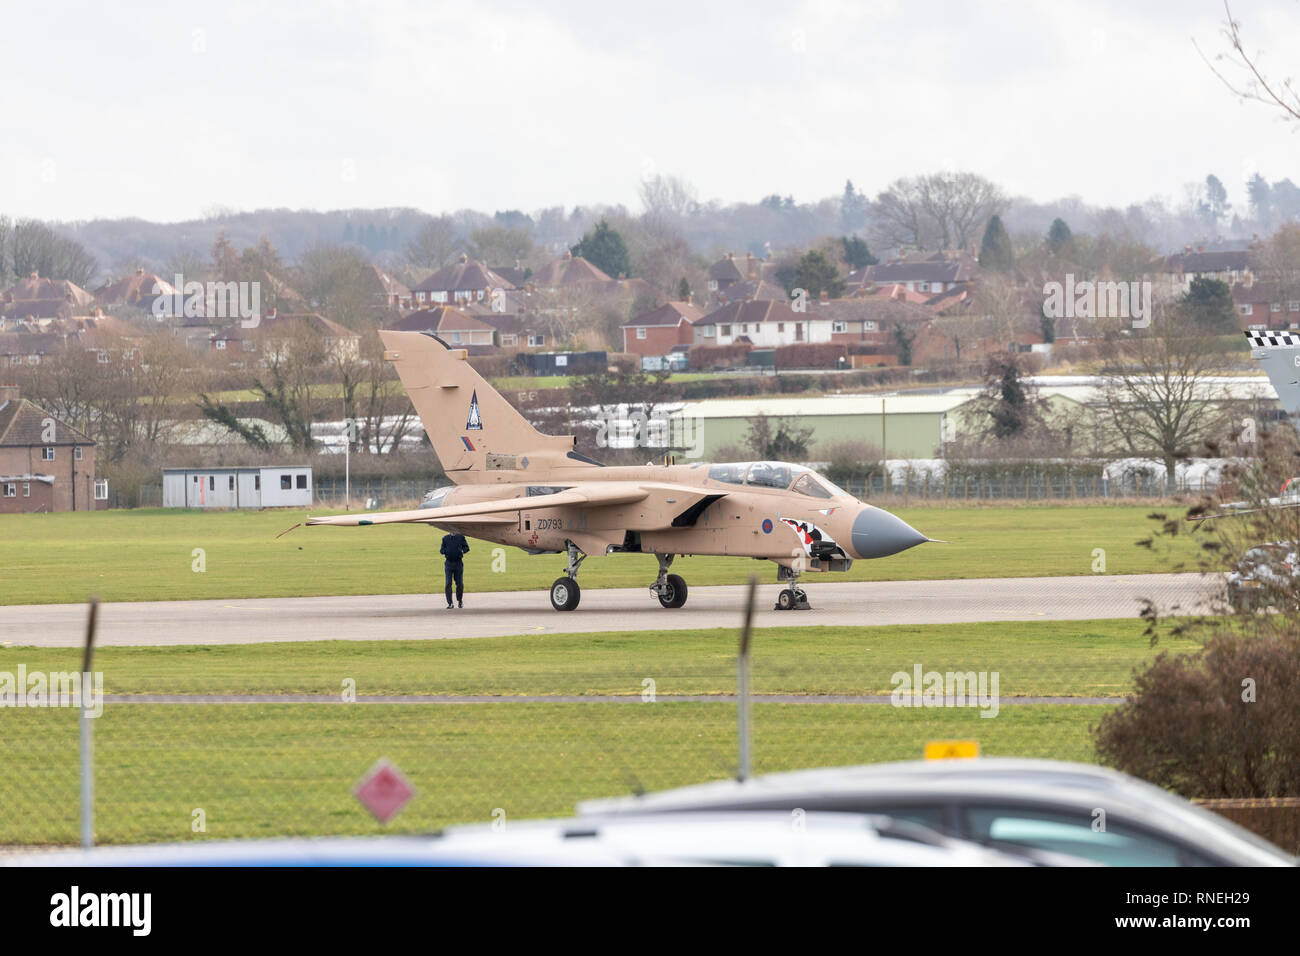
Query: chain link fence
{"points": [[270, 740]]}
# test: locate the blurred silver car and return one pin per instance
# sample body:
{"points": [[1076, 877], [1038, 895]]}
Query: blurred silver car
{"points": [[679, 839], [1080, 811]]}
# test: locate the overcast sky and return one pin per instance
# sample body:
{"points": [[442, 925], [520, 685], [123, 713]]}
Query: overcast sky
{"points": [[165, 109]]}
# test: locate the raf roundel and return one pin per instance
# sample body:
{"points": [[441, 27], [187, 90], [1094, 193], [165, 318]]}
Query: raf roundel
{"points": [[767, 526]]}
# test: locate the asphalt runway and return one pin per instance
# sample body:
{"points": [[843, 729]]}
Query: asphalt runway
{"points": [[507, 613]]}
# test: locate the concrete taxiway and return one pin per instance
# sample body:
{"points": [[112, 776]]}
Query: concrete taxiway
{"points": [[515, 613]]}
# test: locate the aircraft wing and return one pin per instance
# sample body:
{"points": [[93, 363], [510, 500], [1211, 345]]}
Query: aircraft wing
{"points": [[676, 501], [497, 512]]}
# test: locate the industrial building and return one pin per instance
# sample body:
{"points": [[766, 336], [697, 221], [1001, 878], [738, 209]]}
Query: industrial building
{"points": [[284, 486]]}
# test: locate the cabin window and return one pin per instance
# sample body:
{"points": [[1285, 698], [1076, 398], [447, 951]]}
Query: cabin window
{"points": [[729, 474], [286, 482], [301, 481], [808, 485], [768, 474]]}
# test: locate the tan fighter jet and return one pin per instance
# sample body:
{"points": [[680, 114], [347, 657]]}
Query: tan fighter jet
{"points": [[516, 486]]}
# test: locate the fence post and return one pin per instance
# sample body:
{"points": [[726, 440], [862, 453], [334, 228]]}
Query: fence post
{"points": [[87, 734], [742, 683]]}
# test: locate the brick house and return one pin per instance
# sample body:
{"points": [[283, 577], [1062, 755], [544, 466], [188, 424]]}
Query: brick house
{"points": [[1266, 305], [1228, 265], [657, 331], [45, 464], [932, 273], [452, 326], [458, 283]]}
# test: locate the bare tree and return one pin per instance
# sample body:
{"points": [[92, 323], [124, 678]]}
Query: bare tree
{"points": [[382, 409], [1242, 73], [669, 197], [1155, 399], [435, 245], [937, 211]]}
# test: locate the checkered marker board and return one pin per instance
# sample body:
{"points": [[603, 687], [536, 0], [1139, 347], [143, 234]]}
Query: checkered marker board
{"points": [[1285, 340]]}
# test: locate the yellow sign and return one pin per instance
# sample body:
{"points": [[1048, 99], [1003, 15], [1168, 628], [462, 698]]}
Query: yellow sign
{"points": [[948, 749]]}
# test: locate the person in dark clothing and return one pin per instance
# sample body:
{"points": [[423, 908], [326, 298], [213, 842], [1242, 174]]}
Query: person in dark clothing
{"points": [[454, 548]]}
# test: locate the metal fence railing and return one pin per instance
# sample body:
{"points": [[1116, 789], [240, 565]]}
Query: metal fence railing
{"points": [[1023, 487]]}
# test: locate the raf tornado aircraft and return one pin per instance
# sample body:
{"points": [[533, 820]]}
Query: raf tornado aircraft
{"points": [[516, 486]]}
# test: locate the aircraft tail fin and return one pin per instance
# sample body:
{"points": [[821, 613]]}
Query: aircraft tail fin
{"points": [[1278, 352], [474, 430]]}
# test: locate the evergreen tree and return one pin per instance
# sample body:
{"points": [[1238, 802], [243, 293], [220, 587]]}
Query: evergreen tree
{"points": [[683, 290], [904, 340], [817, 274], [856, 252], [1208, 303], [853, 208], [1058, 236], [995, 250], [605, 249]]}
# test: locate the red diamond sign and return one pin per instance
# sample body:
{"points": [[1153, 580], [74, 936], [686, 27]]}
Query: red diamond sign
{"points": [[384, 790]]}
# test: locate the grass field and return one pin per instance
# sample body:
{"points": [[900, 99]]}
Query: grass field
{"points": [[288, 769], [1034, 659], [277, 769], [150, 554]]}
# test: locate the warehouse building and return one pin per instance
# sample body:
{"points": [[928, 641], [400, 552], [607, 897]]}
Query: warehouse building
{"points": [[287, 486], [905, 426]]}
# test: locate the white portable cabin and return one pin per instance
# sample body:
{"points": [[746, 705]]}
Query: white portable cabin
{"points": [[274, 487]]}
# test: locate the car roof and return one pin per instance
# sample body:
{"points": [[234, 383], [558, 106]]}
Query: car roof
{"points": [[1024, 781]]}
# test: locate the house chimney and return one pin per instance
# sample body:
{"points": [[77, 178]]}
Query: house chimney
{"points": [[8, 393], [823, 296], [139, 270]]}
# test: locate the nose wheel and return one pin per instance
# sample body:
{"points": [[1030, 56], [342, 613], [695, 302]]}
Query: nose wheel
{"points": [[565, 593], [793, 598]]}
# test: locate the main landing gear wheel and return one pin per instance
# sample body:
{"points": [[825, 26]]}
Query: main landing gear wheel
{"points": [[792, 599], [565, 594], [673, 593], [670, 589]]}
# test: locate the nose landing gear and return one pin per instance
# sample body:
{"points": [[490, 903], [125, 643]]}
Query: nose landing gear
{"points": [[565, 593], [793, 598]]}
